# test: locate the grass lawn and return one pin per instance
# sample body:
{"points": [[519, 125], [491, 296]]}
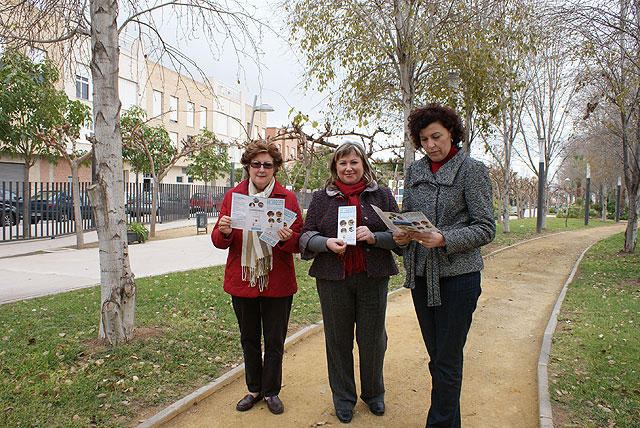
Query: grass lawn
{"points": [[594, 369], [522, 229], [56, 373]]}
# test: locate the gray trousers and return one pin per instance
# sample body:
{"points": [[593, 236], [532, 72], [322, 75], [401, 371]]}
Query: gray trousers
{"points": [[361, 301]]}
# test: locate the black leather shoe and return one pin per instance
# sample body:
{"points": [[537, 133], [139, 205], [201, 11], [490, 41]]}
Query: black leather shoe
{"points": [[275, 405], [344, 415], [377, 408], [247, 402]]}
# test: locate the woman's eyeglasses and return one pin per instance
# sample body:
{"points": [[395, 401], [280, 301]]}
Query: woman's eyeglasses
{"points": [[265, 165]]}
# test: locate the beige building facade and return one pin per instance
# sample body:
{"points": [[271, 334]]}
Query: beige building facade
{"points": [[184, 106]]}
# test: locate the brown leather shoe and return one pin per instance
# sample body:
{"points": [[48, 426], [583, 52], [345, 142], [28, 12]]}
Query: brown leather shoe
{"points": [[275, 405], [247, 402]]}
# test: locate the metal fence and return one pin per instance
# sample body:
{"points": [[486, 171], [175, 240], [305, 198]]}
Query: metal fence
{"points": [[50, 210]]}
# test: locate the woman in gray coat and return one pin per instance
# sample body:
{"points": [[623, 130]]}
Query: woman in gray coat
{"points": [[443, 268]]}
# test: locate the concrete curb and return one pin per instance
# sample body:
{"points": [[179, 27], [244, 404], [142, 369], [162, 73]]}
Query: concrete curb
{"points": [[544, 402], [199, 395]]}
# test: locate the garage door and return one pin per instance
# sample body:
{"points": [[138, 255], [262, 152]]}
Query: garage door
{"points": [[11, 172]]}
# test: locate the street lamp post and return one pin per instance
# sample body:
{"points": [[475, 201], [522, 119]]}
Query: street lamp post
{"points": [[618, 200], [587, 198], [540, 185], [254, 109]]}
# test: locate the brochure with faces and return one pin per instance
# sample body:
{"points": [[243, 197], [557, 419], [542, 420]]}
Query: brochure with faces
{"points": [[347, 224], [256, 214], [272, 238], [406, 222]]}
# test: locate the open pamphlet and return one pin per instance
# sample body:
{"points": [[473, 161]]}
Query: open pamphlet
{"points": [[257, 214], [406, 222]]}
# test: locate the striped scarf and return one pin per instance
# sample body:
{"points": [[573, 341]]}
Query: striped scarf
{"points": [[257, 259]]}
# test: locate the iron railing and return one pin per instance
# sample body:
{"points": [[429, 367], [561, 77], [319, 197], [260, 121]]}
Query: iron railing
{"points": [[50, 209]]}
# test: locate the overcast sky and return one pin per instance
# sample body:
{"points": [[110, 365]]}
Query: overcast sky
{"points": [[277, 81]]}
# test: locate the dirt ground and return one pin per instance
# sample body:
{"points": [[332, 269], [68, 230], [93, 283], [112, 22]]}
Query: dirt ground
{"points": [[520, 287]]}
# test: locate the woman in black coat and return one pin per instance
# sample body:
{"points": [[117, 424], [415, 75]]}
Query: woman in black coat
{"points": [[352, 280]]}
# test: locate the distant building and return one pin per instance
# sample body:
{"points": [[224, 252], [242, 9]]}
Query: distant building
{"points": [[288, 146], [183, 105]]}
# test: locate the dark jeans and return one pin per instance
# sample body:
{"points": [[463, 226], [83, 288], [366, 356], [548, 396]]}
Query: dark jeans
{"points": [[258, 316], [357, 301], [444, 331]]}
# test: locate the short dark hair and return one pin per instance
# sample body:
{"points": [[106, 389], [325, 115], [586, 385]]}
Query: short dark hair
{"points": [[422, 117], [261, 146]]}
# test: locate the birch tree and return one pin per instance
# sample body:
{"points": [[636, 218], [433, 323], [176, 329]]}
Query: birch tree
{"points": [[69, 22]]}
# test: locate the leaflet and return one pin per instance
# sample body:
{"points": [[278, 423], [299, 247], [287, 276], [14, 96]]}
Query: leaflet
{"points": [[406, 222], [271, 238], [256, 214], [347, 224]]}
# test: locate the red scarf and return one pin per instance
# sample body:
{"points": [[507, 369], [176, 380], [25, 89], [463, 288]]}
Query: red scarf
{"points": [[354, 256], [436, 165]]}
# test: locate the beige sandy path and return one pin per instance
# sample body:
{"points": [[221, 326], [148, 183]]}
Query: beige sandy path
{"points": [[520, 287]]}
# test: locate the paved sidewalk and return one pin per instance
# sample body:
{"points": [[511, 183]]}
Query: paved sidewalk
{"points": [[48, 266]]}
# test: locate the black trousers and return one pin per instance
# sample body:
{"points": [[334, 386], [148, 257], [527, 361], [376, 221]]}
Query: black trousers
{"points": [[444, 331], [268, 317], [361, 302]]}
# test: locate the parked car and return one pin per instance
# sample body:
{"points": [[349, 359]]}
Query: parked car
{"points": [[10, 207], [140, 204], [203, 202], [56, 205]]}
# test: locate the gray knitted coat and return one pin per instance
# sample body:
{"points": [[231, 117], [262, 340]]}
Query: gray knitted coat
{"points": [[458, 201]]}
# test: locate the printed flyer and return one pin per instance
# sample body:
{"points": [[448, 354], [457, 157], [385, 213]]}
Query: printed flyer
{"points": [[406, 222], [271, 238], [347, 224], [256, 214]]}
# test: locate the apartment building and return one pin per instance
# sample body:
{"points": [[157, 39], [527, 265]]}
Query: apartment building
{"points": [[288, 146], [183, 105]]}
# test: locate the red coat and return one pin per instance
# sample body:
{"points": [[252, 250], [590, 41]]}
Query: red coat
{"points": [[282, 278]]}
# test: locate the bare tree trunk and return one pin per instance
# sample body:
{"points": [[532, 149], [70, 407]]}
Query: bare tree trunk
{"points": [[406, 86], [631, 232], [118, 289], [308, 161], [77, 208], [26, 204], [154, 207], [466, 143], [506, 135], [603, 200], [403, 15]]}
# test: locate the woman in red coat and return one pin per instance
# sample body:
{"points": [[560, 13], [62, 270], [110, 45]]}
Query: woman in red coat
{"points": [[260, 279]]}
